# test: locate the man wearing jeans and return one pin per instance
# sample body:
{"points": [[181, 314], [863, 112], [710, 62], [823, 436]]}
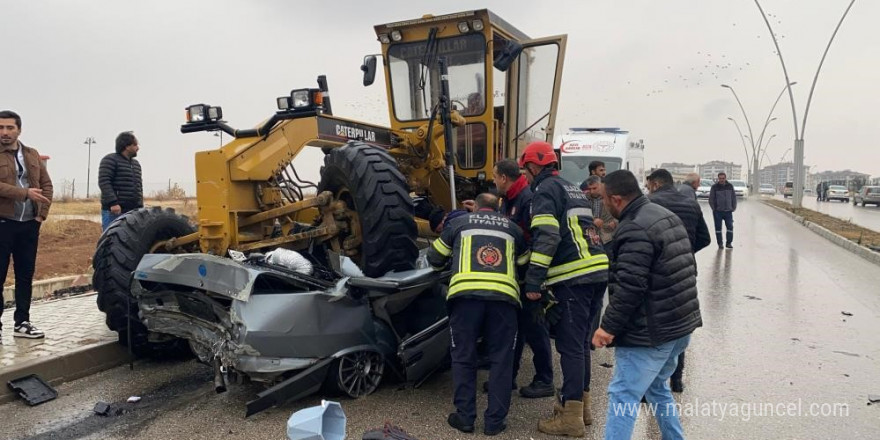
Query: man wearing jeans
{"points": [[652, 308], [119, 177], [722, 200]]}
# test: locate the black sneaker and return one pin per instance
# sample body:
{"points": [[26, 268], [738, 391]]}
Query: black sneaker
{"points": [[458, 423], [729, 245], [27, 330], [496, 430], [676, 385], [537, 389]]}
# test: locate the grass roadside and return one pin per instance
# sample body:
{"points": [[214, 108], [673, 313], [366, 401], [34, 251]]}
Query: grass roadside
{"points": [[186, 206], [851, 231]]}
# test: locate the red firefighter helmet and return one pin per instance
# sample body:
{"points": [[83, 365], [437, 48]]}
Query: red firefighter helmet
{"points": [[539, 153]]}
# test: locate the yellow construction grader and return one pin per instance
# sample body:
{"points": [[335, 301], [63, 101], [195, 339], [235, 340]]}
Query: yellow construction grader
{"points": [[464, 90]]}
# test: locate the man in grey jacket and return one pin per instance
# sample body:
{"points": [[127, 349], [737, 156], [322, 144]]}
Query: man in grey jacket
{"points": [[722, 200]]}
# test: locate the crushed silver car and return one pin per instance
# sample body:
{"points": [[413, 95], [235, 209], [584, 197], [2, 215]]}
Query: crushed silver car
{"points": [[294, 327]]}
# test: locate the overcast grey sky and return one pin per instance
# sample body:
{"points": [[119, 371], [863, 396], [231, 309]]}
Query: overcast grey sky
{"points": [[75, 69]]}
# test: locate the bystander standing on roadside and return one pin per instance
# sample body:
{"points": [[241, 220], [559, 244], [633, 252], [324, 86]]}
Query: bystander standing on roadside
{"points": [[25, 198], [652, 307], [722, 200], [688, 211], [120, 180]]}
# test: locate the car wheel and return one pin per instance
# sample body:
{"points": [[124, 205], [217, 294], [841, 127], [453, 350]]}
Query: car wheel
{"points": [[375, 199], [117, 254], [357, 374], [863, 204]]}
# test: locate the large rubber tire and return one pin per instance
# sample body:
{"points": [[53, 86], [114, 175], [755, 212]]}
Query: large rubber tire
{"points": [[118, 253], [380, 196]]}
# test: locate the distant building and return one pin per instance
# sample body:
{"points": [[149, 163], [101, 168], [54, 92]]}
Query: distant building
{"points": [[780, 173], [875, 181], [677, 168], [709, 170]]}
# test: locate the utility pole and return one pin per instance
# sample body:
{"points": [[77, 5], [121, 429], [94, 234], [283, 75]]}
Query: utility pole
{"points": [[89, 141]]}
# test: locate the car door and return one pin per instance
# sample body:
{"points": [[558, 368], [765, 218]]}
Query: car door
{"points": [[428, 350]]}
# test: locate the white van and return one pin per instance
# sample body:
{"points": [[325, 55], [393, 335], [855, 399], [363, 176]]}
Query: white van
{"points": [[580, 146]]}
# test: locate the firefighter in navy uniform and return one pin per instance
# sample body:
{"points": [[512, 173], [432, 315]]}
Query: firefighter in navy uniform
{"points": [[567, 257], [515, 204], [485, 248]]}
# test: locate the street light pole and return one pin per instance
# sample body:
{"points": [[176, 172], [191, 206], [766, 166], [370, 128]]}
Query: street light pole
{"points": [[752, 177], [764, 154], [741, 137], [799, 178], [89, 141]]}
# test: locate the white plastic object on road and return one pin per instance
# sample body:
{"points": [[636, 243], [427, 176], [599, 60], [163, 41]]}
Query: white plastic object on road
{"points": [[323, 422], [292, 260], [133, 399]]}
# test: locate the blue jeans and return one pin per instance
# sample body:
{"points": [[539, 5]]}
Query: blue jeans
{"points": [[107, 217], [644, 371]]}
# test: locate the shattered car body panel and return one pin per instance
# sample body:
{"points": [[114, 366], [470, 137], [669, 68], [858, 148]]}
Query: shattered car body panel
{"points": [[275, 325]]}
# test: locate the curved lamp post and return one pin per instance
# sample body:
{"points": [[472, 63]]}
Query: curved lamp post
{"points": [[741, 137], [752, 178], [798, 190]]}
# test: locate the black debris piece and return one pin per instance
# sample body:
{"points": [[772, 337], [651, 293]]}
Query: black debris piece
{"points": [[605, 365], [873, 398], [846, 313], [33, 389], [102, 409]]}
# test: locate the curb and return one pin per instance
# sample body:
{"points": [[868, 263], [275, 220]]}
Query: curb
{"points": [[867, 254], [66, 367], [44, 288]]}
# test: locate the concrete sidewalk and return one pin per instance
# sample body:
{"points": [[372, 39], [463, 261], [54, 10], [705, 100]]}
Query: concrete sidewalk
{"points": [[77, 344]]}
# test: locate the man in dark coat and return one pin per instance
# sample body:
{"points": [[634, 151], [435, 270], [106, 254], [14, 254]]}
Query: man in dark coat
{"points": [[688, 210], [652, 306], [120, 180], [722, 200]]}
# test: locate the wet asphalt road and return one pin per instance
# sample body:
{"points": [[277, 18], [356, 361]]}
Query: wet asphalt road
{"points": [[866, 216], [774, 334]]}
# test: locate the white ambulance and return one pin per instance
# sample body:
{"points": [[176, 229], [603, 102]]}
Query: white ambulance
{"points": [[578, 147]]}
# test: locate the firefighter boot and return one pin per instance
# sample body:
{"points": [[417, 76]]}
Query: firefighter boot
{"points": [[569, 422], [588, 411]]}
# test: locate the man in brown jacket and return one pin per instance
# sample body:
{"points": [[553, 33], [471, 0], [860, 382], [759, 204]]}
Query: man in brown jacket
{"points": [[25, 196]]}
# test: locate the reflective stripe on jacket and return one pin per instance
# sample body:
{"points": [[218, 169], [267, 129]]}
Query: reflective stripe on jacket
{"points": [[485, 249], [565, 246]]}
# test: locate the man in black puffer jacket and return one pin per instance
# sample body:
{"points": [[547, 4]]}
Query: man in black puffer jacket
{"points": [[682, 205], [119, 177], [652, 308], [688, 210]]}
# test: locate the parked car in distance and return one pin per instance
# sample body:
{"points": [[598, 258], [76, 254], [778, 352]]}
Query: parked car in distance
{"points": [[867, 195], [767, 189], [787, 190], [703, 190], [837, 192], [739, 187]]}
